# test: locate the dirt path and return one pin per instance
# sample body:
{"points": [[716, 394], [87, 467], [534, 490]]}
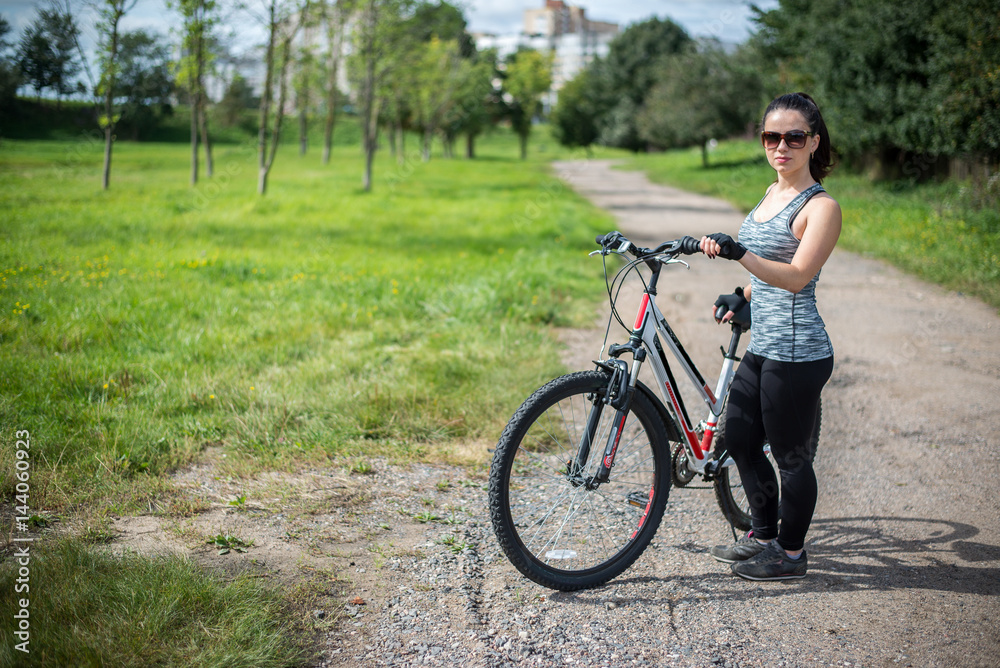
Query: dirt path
{"points": [[904, 552], [905, 549]]}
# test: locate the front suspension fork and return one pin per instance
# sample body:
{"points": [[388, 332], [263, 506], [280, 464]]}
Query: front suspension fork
{"points": [[621, 388]]}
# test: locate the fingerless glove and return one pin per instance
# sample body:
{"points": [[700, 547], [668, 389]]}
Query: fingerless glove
{"points": [[731, 249]]}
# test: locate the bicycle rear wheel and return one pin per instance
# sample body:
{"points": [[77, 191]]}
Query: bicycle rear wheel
{"points": [[552, 528], [729, 491]]}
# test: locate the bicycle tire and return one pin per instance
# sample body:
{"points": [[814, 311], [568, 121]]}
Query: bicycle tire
{"points": [[560, 534], [729, 486]]}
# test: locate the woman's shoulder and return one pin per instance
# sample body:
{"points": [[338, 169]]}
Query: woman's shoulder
{"points": [[822, 212], [822, 202]]}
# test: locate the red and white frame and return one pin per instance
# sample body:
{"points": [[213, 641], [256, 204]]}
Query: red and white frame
{"points": [[652, 329]]}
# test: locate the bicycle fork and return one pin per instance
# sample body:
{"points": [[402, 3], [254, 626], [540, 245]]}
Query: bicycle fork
{"points": [[620, 389]]}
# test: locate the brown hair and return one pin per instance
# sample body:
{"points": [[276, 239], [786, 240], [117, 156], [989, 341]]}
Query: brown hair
{"points": [[821, 160]]}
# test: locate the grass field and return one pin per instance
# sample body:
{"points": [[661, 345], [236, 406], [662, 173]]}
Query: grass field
{"points": [[143, 325], [91, 608], [947, 233]]}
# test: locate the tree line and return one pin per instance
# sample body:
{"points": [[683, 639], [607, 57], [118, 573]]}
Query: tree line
{"points": [[410, 65], [905, 88]]}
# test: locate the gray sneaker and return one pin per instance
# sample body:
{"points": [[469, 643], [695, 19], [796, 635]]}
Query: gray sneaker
{"points": [[741, 550], [772, 564]]}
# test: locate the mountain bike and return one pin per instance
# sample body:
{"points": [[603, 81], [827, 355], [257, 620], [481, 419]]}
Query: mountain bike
{"points": [[581, 474]]}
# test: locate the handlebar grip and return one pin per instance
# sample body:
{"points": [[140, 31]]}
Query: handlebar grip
{"points": [[721, 312], [610, 240], [689, 246]]}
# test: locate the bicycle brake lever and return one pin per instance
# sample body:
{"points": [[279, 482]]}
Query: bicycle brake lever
{"points": [[674, 260]]}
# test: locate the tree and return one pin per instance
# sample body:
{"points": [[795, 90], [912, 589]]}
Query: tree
{"points": [[306, 76], [283, 20], [302, 83], [239, 97], [198, 16], [4, 31], [625, 76], [143, 80], [963, 62], [10, 74], [421, 88], [476, 104], [901, 83], [378, 39], [399, 93], [443, 21], [438, 78], [48, 53], [528, 77], [334, 15], [702, 94], [111, 13], [575, 116]]}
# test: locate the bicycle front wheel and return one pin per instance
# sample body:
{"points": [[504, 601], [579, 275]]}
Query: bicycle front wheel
{"points": [[554, 527]]}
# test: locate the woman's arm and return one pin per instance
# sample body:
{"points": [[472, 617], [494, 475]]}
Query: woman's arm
{"points": [[818, 240]]}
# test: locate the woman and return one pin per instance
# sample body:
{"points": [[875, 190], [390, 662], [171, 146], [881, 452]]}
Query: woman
{"points": [[783, 243]]}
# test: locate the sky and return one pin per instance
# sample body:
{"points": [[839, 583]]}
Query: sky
{"points": [[728, 20]]}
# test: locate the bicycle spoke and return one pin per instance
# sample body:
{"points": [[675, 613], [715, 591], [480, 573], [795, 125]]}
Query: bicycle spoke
{"points": [[555, 526]]}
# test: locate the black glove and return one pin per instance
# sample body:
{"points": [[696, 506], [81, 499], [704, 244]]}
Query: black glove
{"points": [[731, 249], [734, 302]]}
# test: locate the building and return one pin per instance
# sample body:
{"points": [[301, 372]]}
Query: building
{"points": [[558, 18], [561, 29]]}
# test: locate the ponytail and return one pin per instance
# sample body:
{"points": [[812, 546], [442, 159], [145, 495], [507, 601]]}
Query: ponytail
{"points": [[821, 160]]}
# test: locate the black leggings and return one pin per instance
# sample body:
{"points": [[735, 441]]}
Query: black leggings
{"points": [[777, 402]]}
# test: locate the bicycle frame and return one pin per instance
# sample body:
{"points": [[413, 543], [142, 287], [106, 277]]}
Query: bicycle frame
{"points": [[650, 332]]}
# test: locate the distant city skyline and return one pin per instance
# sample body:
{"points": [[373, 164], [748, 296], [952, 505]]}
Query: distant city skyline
{"points": [[727, 20]]}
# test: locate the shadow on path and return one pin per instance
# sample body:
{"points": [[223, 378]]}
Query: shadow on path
{"points": [[845, 554]]}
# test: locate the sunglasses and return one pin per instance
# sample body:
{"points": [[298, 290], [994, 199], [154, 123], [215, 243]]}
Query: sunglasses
{"points": [[793, 139]]}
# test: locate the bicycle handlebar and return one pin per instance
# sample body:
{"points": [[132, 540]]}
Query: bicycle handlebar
{"points": [[615, 241]]}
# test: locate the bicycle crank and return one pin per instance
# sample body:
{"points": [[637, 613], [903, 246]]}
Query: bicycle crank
{"points": [[680, 472]]}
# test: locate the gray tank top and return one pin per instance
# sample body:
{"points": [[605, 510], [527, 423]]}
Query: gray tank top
{"points": [[785, 326]]}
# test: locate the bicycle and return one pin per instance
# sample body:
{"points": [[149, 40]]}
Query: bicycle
{"points": [[581, 474]]}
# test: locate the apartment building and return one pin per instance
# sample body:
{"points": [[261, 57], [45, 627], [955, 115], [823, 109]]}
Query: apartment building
{"points": [[562, 29]]}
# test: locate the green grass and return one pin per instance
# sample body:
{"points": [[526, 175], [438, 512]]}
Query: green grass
{"points": [[142, 324], [947, 233], [90, 607], [314, 326]]}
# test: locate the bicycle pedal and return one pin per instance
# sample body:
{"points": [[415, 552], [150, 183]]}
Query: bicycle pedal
{"points": [[637, 499]]}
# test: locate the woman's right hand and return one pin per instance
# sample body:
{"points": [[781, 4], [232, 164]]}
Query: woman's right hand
{"points": [[731, 303], [709, 247], [722, 245]]}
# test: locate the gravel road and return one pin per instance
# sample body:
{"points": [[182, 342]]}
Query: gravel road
{"points": [[904, 551]]}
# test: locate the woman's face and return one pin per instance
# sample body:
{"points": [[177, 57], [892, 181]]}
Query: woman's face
{"points": [[783, 159]]}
